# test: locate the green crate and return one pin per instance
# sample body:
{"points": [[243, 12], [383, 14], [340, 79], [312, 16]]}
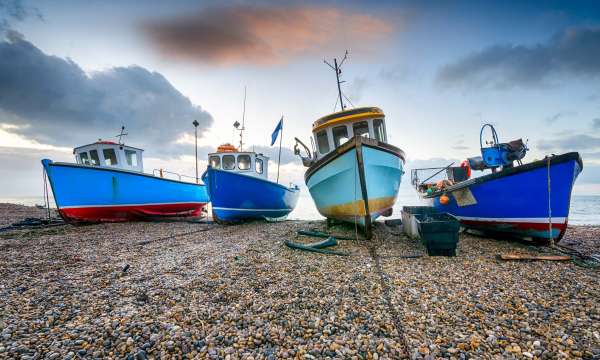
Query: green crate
{"points": [[439, 233]]}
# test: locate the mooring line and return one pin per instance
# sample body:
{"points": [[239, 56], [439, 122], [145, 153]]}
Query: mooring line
{"points": [[387, 296]]}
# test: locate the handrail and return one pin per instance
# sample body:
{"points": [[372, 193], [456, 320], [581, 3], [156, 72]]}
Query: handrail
{"points": [[162, 171]]}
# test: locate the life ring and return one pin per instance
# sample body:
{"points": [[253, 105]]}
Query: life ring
{"points": [[465, 165]]}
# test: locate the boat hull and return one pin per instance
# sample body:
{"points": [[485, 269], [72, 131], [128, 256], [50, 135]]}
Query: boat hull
{"points": [[515, 201], [97, 194], [237, 197], [358, 182]]}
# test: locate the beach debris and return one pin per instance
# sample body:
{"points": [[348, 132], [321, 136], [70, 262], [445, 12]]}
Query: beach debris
{"points": [[33, 223], [125, 268], [514, 256], [318, 247]]}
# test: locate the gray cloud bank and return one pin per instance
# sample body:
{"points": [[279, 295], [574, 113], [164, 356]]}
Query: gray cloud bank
{"points": [[574, 51], [52, 100]]}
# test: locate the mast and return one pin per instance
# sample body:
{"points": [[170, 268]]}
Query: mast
{"points": [[338, 71], [243, 120]]}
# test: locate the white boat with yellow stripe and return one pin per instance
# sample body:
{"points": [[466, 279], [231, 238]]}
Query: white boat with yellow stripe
{"points": [[353, 173]]}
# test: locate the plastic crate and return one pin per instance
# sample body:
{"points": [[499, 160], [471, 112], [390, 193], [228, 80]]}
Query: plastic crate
{"points": [[409, 223], [439, 233]]}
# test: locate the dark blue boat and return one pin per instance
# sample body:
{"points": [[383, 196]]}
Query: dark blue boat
{"points": [[239, 188], [528, 200]]}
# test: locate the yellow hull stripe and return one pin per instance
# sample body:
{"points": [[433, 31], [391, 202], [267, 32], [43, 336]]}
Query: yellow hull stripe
{"points": [[357, 208]]}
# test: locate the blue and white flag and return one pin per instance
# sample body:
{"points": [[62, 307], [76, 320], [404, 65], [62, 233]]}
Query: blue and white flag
{"points": [[275, 133]]}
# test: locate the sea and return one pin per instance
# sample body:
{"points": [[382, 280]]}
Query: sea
{"points": [[585, 209]]}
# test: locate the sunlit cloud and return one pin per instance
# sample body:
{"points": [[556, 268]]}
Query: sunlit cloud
{"points": [[247, 34]]}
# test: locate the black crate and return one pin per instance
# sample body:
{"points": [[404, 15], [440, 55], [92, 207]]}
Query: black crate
{"points": [[439, 233], [457, 174], [408, 222]]}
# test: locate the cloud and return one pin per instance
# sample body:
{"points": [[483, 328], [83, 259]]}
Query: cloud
{"points": [[242, 34], [573, 51], [53, 101], [287, 154], [577, 142], [356, 89], [596, 124], [12, 11], [561, 114]]}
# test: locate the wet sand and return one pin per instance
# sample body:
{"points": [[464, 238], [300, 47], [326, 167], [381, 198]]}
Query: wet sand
{"points": [[189, 290]]}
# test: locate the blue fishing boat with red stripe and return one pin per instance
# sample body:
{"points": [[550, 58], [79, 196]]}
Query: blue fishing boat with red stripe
{"points": [[107, 184], [526, 200]]}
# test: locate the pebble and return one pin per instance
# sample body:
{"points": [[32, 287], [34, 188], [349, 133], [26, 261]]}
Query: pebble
{"points": [[235, 292]]}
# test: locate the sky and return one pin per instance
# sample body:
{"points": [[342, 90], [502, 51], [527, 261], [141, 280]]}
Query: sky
{"points": [[72, 72]]}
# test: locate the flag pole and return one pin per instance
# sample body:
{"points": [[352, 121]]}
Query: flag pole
{"points": [[279, 158]]}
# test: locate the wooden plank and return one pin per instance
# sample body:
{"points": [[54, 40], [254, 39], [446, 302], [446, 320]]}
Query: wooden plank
{"points": [[534, 257]]}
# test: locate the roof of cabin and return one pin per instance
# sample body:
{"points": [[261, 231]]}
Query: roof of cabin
{"points": [[226, 148], [238, 153], [106, 142], [347, 115]]}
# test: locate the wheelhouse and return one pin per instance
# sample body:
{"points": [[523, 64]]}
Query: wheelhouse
{"points": [[245, 162], [110, 154], [334, 130]]}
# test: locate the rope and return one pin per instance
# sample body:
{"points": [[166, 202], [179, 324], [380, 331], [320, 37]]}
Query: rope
{"points": [[46, 197], [549, 203], [387, 295]]}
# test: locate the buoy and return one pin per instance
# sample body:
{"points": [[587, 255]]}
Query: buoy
{"points": [[429, 191], [444, 200]]}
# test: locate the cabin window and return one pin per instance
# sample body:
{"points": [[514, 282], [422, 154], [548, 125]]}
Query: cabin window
{"points": [[94, 159], [361, 128], [379, 129], [243, 162], [340, 135], [258, 166], [323, 142], [131, 157], [84, 158], [215, 162], [228, 162], [110, 157]]}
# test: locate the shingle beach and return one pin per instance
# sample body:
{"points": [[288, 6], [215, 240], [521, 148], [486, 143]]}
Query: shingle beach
{"points": [[195, 290]]}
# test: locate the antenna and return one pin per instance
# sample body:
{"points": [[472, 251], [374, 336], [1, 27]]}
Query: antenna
{"points": [[237, 124], [120, 136], [338, 71]]}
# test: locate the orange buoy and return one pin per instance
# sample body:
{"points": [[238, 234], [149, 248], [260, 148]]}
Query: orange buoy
{"points": [[444, 200], [226, 148]]}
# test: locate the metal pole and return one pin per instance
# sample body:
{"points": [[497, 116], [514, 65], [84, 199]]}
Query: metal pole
{"points": [[279, 158], [337, 76], [195, 123]]}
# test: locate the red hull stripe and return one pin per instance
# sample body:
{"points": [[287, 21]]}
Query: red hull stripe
{"points": [[524, 226], [129, 212]]}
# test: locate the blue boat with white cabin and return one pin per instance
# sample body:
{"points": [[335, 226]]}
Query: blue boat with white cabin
{"points": [[239, 187], [107, 184], [529, 200]]}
